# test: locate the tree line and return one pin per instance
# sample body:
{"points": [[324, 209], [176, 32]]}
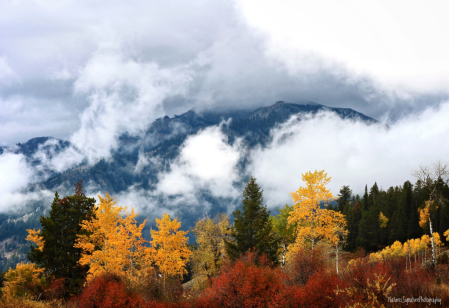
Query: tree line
{"points": [[80, 242]]}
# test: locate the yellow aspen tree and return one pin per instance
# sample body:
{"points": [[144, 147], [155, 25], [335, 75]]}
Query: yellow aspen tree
{"points": [[334, 226], [210, 236], [415, 244], [438, 242], [112, 242], [431, 178], [386, 252], [397, 249], [383, 220], [425, 241], [169, 251], [35, 237], [375, 257], [23, 281], [307, 210], [446, 234], [134, 245], [407, 249]]}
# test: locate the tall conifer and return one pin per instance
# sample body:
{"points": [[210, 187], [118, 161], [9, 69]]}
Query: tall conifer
{"points": [[252, 226]]}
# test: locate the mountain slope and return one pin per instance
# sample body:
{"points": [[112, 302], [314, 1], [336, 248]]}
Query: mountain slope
{"points": [[159, 146]]}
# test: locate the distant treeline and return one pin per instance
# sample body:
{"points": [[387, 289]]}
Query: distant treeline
{"points": [[400, 204]]}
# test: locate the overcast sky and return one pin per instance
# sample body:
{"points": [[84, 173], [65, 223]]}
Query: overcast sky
{"points": [[87, 71]]}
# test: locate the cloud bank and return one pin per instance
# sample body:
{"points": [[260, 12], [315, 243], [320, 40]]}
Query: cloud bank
{"points": [[88, 72]]}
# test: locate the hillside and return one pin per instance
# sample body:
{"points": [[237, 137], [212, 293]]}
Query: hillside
{"points": [[161, 141]]}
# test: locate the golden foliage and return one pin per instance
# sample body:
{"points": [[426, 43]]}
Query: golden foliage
{"points": [[313, 222], [113, 244], [446, 234], [424, 215], [210, 235], [21, 281], [35, 237], [169, 249], [383, 220], [380, 287]]}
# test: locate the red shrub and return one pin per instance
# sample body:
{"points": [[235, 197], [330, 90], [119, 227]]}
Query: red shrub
{"points": [[250, 282], [108, 291], [54, 290], [306, 264], [319, 291]]}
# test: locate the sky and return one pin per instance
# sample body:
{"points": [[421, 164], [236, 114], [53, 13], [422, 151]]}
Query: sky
{"points": [[88, 71]]}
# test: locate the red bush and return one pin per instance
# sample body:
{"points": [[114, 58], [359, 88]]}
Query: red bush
{"points": [[319, 291], [249, 282], [306, 264], [108, 291], [54, 290]]}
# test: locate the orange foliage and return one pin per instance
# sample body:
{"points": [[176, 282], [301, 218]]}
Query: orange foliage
{"points": [[169, 249], [113, 244], [35, 237]]}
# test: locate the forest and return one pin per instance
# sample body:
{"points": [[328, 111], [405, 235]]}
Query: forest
{"points": [[383, 249]]}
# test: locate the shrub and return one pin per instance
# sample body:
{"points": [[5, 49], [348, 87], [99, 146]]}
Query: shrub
{"points": [[54, 290], [23, 281], [150, 286], [249, 282], [319, 291], [304, 265], [108, 291]]}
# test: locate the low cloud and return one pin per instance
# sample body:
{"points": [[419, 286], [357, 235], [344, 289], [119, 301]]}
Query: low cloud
{"points": [[351, 152], [206, 162]]}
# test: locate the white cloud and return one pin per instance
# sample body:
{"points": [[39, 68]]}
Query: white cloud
{"points": [[206, 162], [403, 45], [16, 175], [351, 152]]}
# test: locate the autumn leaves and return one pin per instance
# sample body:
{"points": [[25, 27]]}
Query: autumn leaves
{"points": [[110, 239], [315, 223], [113, 244]]}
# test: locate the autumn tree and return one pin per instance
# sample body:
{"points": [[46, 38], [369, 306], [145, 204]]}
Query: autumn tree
{"points": [[169, 251], [383, 220], [430, 177], [210, 237], [335, 231], [23, 281], [252, 227], [54, 248], [308, 213], [111, 244], [284, 231]]}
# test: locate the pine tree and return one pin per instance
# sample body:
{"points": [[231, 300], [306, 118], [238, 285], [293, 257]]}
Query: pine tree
{"points": [[373, 193], [252, 226], [365, 199], [59, 231], [344, 197], [369, 230]]}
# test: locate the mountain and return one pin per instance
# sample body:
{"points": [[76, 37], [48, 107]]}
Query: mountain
{"points": [[161, 141], [165, 136]]}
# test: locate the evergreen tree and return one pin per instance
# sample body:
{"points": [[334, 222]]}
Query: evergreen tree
{"points": [[59, 232], [414, 230], [369, 230], [365, 199], [373, 193], [252, 226], [344, 197], [354, 215]]}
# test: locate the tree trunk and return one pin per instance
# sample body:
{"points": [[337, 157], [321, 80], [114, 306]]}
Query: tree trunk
{"points": [[283, 254], [336, 261], [432, 242]]}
